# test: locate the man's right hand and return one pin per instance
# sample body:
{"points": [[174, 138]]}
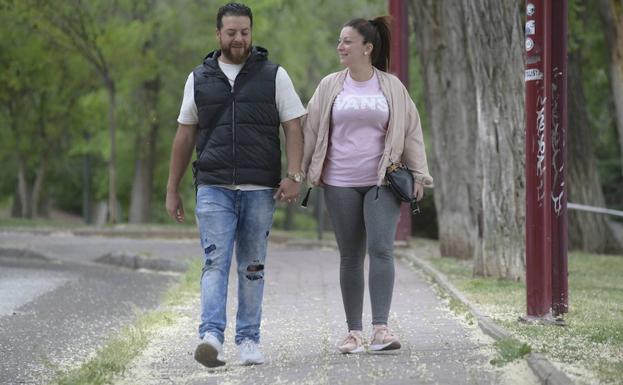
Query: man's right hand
{"points": [[174, 205]]}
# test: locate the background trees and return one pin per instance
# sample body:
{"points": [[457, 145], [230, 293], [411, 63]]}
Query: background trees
{"points": [[90, 93]]}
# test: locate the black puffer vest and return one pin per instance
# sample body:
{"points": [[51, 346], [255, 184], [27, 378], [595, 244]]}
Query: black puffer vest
{"points": [[238, 136]]}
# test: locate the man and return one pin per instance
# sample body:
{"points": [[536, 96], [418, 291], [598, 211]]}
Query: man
{"points": [[233, 105]]}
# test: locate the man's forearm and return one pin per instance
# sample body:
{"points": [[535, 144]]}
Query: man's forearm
{"points": [[294, 144], [181, 154]]}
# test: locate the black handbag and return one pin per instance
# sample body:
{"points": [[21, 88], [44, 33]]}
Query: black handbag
{"points": [[400, 181]]}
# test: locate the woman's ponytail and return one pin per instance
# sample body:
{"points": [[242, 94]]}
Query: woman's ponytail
{"points": [[381, 49], [377, 32]]}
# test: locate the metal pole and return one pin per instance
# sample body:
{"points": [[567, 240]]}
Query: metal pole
{"points": [[546, 127], [399, 66], [547, 202], [560, 304], [537, 106]]}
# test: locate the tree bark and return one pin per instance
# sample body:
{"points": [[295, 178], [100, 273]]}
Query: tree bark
{"points": [[288, 220], [23, 190], [450, 105], [113, 215], [587, 231], [145, 149], [611, 12], [472, 69], [494, 46], [37, 188]]}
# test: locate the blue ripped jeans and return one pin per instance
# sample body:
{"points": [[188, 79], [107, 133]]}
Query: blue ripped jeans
{"points": [[226, 217]]}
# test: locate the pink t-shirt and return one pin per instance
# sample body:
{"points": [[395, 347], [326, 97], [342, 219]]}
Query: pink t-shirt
{"points": [[358, 127]]}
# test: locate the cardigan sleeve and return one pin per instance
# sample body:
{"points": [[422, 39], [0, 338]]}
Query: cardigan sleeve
{"points": [[414, 153], [310, 123]]}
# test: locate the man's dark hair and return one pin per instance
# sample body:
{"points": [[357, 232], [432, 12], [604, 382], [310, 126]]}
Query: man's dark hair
{"points": [[232, 9]]}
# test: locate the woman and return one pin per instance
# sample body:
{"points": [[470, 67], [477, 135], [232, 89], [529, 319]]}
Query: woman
{"points": [[360, 120]]}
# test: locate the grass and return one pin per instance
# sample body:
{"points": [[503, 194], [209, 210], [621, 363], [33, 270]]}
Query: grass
{"points": [[590, 347], [113, 358], [509, 350], [34, 223]]}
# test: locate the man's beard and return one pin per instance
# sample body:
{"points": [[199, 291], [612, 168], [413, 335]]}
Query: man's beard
{"points": [[238, 57]]}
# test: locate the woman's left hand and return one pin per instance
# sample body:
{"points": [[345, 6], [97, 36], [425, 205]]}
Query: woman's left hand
{"points": [[418, 191]]}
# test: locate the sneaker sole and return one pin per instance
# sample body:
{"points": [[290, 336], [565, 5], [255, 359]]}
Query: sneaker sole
{"points": [[252, 362], [354, 351], [207, 355], [394, 345]]}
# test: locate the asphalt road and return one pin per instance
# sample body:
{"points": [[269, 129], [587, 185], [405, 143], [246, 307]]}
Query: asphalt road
{"points": [[57, 306]]}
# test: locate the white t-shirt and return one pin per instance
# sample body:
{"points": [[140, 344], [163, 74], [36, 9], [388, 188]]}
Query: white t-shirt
{"points": [[288, 104]]}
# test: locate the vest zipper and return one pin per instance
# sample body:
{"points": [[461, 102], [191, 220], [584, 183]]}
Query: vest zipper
{"points": [[233, 125]]}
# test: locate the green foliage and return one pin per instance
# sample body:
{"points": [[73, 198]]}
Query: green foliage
{"points": [[587, 36], [509, 350], [54, 102], [302, 220]]}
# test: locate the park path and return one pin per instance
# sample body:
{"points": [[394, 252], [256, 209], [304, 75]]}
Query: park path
{"points": [[302, 321]]}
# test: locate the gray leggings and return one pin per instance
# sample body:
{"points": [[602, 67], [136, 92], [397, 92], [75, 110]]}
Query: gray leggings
{"points": [[357, 214]]}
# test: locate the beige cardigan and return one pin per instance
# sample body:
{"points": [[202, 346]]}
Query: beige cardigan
{"points": [[403, 142]]}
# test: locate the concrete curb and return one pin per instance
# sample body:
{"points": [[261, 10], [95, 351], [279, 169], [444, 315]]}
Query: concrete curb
{"points": [[22, 253], [118, 231], [547, 373], [136, 261]]}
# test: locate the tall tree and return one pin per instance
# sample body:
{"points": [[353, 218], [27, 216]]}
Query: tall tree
{"points": [[29, 88], [472, 66], [81, 27], [611, 12], [450, 105], [146, 98], [493, 27], [587, 231]]}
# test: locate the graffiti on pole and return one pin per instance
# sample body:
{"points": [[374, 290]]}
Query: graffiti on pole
{"points": [[540, 156], [558, 182]]}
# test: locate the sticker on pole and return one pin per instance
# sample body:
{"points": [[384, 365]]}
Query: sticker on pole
{"points": [[530, 27], [530, 8], [533, 74], [529, 44]]}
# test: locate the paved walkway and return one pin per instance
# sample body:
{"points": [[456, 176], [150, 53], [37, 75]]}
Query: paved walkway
{"points": [[302, 321]]}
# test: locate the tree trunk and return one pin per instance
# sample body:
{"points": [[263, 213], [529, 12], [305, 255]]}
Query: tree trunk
{"points": [[587, 231], [145, 150], [113, 215], [472, 69], [611, 12], [35, 196], [25, 209], [450, 104], [37, 185], [494, 45], [288, 221]]}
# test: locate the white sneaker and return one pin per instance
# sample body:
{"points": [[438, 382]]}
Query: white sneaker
{"points": [[209, 351], [250, 353]]}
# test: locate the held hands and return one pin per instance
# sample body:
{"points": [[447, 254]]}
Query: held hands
{"points": [[174, 206], [418, 191], [288, 190]]}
